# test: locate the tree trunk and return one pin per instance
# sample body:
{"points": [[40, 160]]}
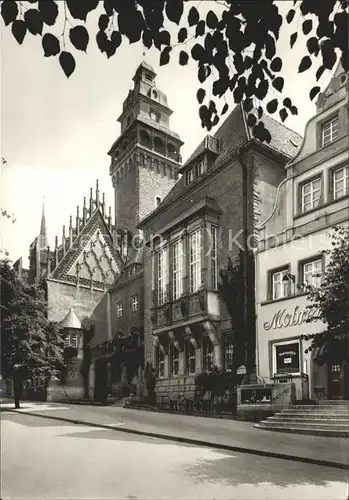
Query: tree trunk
{"points": [[16, 391]]}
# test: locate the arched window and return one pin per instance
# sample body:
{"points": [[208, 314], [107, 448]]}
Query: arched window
{"points": [[171, 150], [145, 138], [155, 94], [159, 145], [124, 144]]}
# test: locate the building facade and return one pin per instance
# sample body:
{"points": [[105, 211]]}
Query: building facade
{"points": [[227, 184], [312, 198]]}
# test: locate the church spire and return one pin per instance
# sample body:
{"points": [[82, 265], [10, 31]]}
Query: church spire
{"points": [[43, 233]]}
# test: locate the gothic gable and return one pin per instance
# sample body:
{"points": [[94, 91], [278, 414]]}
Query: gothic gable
{"points": [[91, 260]]}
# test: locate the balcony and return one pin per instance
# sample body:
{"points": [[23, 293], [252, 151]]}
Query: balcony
{"points": [[188, 309]]}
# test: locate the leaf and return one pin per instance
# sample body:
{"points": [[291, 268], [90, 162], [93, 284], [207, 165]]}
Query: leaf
{"points": [[33, 21], [260, 112], [116, 39], [307, 26], [272, 106], [319, 72], [278, 83], [304, 64], [200, 28], [290, 15], [200, 95], [276, 64], [9, 11], [198, 52], [19, 30], [50, 44], [165, 56], [102, 41], [251, 120], [164, 38], [314, 92], [202, 73], [283, 114], [67, 63], [225, 109], [248, 104], [312, 45], [79, 37], [287, 102], [103, 22], [329, 56], [183, 58], [211, 20], [294, 110], [49, 11], [293, 39], [193, 16], [147, 38], [182, 35], [174, 10], [79, 9]]}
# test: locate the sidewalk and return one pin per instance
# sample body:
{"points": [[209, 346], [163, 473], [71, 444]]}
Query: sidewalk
{"points": [[217, 433]]}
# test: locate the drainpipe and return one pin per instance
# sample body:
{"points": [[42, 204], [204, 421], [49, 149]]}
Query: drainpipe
{"points": [[245, 235]]}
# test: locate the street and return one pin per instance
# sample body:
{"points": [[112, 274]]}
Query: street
{"points": [[44, 458]]}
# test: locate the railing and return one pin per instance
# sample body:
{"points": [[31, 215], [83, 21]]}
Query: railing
{"points": [[277, 396]]}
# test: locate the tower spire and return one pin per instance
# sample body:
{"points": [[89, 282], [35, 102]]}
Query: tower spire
{"points": [[43, 232]]}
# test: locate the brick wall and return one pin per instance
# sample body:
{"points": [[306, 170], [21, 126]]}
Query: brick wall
{"points": [[130, 318]]}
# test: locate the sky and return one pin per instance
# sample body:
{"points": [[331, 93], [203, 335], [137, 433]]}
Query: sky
{"points": [[56, 132]]}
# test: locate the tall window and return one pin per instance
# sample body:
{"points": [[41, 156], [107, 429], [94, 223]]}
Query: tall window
{"points": [[330, 130], [119, 309], [228, 350], [311, 273], [214, 258], [279, 288], [160, 362], [177, 256], [190, 357], [160, 274], [190, 176], [71, 340], [340, 182], [207, 348], [310, 194], [134, 303], [174, 360], [199, 169], [195, 261]]}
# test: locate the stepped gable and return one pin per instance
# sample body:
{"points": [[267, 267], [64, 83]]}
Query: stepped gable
{"points": [[232, 135], [88, 256]]}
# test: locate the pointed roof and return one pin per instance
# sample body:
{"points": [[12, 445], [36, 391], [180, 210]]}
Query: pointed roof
{"points": [[71, 321], [43, 232], [146, 66]]}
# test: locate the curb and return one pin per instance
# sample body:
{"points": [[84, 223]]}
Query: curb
{"points": [[196, 442]]}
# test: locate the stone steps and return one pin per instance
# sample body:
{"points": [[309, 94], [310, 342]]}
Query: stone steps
{"points": [[322, 419]]}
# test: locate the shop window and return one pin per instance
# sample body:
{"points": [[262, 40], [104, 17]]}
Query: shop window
{"points": [[207, 349], [286, 357]]}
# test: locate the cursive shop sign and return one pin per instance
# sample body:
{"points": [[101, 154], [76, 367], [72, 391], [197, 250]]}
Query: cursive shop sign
{"points": [[284, 319]]}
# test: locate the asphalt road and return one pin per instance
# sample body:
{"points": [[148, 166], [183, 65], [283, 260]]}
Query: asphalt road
{"points": [[46, 459]]}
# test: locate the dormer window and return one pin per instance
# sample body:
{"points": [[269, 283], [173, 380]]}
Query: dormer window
{"points": [[189, 176], [330, 130], [199, 168]]}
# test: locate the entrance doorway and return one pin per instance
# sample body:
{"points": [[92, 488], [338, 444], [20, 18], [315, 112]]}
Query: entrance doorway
{"points": [[338, 380], [101, 380]]}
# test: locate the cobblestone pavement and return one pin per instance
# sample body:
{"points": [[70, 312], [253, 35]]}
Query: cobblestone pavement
{"points": [[46, 459]]}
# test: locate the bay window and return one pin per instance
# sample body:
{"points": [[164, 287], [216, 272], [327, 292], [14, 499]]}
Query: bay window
{"points": [[195, 261]]}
